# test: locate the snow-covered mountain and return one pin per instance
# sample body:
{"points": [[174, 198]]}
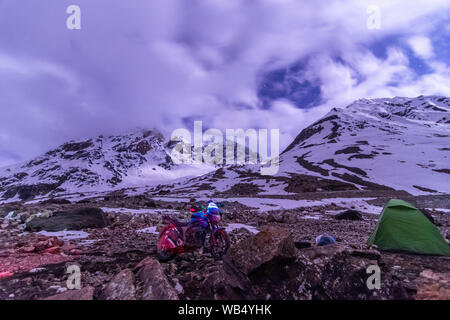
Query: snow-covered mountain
{"points": [[400, 143], [97, 164], [379, 144], [138, 158]]}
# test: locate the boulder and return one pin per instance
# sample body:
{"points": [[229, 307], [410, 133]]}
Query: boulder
{"points": [[86, 293], [78, 219], [275, 216], [150, 204], [349, 215], [269, 244], [266, 252], [156, 286], [56, 201], [433, 286], [121, 287]]}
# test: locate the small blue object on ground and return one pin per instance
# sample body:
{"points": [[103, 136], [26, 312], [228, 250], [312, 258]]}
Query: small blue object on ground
{"points": [[324, 240]]}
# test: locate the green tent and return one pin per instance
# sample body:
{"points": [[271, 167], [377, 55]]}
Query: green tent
{"points": [[402, 227]]}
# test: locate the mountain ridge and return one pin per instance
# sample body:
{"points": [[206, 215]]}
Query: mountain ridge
{"points": [[386, 143]]}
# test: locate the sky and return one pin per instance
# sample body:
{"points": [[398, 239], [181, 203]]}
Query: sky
{"points": [[272, 64]]}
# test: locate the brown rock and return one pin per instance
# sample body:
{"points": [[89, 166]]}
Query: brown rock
{"points": [[53, 250], [121, 287], [271, 243], [433, 286], [155, 283], [28, 249], [76, 252], [86, 293], [143, 263], [266, 252]]}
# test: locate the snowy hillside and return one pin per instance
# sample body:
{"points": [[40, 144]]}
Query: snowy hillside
{"points": [[97, 164], [400, 143], [139, 158]]}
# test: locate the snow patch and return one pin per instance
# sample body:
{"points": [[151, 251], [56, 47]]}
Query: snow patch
{"points": [[150, 230], [440, 209], [65, 235], [140, 211], [236, 226]]}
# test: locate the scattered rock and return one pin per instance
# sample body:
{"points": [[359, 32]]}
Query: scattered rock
{"points": [[265, 266], [43, 244], [340, 273]]}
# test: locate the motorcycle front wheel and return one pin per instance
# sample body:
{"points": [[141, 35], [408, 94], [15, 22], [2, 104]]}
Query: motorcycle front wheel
{"points": [[220, 243]]}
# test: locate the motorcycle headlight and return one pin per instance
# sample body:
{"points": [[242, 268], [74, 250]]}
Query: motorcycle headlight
{"points": [[215, 218]]}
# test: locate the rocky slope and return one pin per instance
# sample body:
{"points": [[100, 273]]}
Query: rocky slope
{"points": [[273, 254]]}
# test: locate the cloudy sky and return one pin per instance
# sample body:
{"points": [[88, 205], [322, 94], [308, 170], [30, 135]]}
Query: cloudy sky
{"points": [[231, 63]]}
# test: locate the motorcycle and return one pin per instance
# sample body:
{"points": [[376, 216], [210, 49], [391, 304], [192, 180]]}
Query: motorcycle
{"points": [[179, 237]]}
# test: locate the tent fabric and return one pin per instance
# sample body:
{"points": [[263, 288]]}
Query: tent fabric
{"points": [[402, 227]]}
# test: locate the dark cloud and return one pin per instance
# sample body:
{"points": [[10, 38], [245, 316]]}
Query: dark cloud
{"points": [[157, 63]]}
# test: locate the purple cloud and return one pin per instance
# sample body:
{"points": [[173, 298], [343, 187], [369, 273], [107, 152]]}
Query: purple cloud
{"points": [[157, 63]]}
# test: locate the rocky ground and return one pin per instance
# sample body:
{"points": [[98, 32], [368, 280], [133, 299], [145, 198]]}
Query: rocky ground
{"points": [[114, 243]]}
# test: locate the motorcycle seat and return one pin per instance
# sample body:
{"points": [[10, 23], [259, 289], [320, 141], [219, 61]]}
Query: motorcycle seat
{"points": [[179, 224]]}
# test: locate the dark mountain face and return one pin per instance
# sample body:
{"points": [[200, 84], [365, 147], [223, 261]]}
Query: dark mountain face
{"points": [[98, 164]]}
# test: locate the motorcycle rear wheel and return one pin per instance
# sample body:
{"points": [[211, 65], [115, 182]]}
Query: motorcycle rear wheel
{"points": [[165, 256], [163, 252]]}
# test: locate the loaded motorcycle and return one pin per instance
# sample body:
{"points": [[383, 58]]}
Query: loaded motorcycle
{"points": [[178, 237]]}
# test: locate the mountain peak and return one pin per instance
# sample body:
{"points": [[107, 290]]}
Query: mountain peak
{"points": [[389, 142]]}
